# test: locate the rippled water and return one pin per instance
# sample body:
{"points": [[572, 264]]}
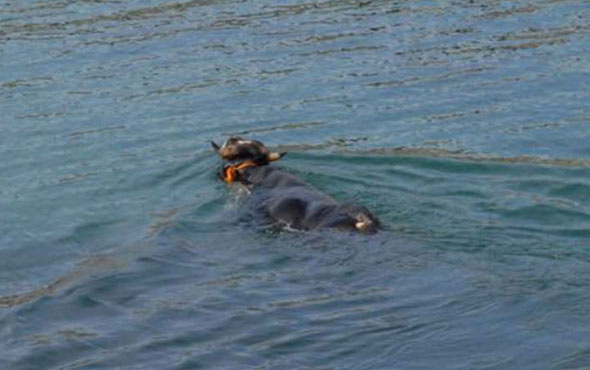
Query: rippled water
{"points": [[463, 125]]}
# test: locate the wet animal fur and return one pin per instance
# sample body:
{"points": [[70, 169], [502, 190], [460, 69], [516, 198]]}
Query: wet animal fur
{"points": [[284, 197]]}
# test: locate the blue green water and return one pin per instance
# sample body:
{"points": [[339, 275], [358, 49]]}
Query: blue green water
{"points": [[463, 125]]}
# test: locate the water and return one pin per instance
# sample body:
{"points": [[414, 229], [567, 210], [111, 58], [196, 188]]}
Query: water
{"points": [[463, 125]]}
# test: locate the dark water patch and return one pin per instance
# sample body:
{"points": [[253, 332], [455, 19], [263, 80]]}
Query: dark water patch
{"points": [[39, 81], [552, 33], [577, 191], [288, 126], [413, 80], [97, 130], [435, 152], [84, 270], [545, 213], [529, 8]]}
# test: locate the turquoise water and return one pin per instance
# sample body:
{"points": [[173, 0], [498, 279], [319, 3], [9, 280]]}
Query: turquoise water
{"points": [[463, 125]]}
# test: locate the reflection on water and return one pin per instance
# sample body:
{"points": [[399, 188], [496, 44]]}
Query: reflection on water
{"points": [[464, 126]]}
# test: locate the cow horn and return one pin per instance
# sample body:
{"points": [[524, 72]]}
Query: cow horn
{"points": [[274, 156]]}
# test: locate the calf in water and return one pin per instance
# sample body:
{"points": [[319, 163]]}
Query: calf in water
{"points": [[283, 197]]}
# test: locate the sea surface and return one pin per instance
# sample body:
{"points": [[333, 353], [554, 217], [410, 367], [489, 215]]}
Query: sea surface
{"points": [[463, 125]]}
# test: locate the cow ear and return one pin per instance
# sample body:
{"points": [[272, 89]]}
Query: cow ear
{"points": [[274, 156], [215, 147]]}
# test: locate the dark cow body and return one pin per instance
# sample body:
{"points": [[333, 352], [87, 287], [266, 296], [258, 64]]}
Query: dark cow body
{"points": [[286, 198]]}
